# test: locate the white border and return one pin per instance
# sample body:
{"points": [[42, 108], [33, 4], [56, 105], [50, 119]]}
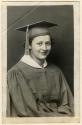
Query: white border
{"points": [[76, 63]]}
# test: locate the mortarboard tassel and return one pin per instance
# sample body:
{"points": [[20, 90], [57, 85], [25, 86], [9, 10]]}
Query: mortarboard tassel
{"points": [[27, 43]]}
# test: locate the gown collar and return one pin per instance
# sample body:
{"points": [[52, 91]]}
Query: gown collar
{"points": [[28, 60]]}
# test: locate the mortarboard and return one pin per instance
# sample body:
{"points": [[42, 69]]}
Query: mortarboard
{"points": [[34, 30]]}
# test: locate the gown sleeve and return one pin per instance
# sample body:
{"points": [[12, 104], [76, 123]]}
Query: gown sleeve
{"points": [[66, 98], [20, 95]]}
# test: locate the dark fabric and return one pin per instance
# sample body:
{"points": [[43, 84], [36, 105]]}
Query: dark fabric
{"points": [[36, 92]]}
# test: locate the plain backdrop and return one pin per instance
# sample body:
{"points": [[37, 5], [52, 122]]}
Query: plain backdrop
{"points": [[62, 53]]}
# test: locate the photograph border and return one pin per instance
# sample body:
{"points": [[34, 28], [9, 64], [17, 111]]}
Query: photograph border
{"points": [[76, 118]]}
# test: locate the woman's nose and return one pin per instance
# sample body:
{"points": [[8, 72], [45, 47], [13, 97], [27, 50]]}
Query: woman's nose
{"points": [[44, 47]]}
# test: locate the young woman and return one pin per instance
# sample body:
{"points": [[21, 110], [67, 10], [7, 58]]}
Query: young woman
{"points": [[35, 87]]}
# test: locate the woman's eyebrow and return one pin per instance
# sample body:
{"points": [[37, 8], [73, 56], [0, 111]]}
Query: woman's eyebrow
{"points": [[48, 41]]}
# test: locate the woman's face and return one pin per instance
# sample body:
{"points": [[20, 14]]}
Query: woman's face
{"points": [[40, 47]]}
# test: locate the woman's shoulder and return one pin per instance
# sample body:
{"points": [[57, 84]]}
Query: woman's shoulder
{"points": [[54, 68], [19, 69], [15, 68], [15, 73]]}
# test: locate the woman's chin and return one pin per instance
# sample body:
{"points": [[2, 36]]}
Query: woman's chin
{"points": [[42, 57]]}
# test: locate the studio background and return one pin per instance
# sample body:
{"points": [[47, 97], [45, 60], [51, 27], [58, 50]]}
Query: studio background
{"points": [[62, 53]]}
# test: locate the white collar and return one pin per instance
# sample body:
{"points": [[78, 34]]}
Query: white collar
{"points": [[28, 60]]}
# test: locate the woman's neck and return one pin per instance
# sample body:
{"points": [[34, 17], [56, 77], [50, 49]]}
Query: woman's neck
{"points": [[40, 62]]}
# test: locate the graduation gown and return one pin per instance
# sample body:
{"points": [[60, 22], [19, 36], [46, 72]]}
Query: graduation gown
{"points": [[38, 92]]}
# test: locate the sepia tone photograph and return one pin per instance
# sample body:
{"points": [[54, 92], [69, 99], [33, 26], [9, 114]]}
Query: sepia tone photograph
{"points": [[40, 61]]}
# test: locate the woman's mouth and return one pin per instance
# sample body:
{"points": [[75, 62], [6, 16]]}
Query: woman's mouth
{"points": [[44, 52]]}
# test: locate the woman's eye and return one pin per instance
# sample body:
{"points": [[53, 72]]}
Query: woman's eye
{"points": [[48, 43], [39, 44]]}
